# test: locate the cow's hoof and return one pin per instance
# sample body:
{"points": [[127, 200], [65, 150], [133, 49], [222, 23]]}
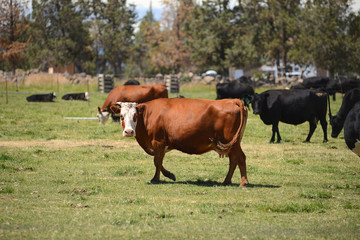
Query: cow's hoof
{"points": [[325, 141], [225, 183], [244, 183], [306, 141], [155, 181], [172, 177]]}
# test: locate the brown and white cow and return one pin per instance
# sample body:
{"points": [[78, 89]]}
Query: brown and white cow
{"points": [[130, 93], [193, 126]]}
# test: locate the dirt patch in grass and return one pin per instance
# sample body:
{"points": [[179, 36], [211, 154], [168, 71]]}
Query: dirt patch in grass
{"points": [[67, 143]]}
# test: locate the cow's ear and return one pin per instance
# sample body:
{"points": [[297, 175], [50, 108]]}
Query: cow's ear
{"points": [[115, 108], [140, 109], [99, 110]]}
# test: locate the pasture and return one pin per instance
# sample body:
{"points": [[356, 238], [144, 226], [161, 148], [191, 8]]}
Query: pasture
{"points": [[76, 179]]}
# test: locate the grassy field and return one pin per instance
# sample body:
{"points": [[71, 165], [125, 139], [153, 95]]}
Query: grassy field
{"points": [[76, 179]]}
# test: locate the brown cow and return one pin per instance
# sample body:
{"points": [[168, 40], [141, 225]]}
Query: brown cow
{"points": [[130, 93], [193, 126]]}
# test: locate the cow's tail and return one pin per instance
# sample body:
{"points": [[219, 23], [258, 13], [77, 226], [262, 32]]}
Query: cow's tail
{"points": [[328, 99], [224, 147]]}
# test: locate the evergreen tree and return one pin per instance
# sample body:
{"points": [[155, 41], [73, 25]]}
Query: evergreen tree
{"points": [[117, 32], [353, 37], [328, 25], [59, 34], [280, 18], [247, 49], [209, 29]]}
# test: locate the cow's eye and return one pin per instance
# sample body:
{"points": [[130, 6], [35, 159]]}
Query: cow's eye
{"points": [[121, 117]]}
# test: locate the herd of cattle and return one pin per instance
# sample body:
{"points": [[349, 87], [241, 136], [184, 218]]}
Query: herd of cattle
{"points": [[196, 126]]}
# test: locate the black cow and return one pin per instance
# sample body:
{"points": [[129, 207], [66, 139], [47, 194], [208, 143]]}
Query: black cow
{"points": [[324, 83], [352, 129], [292, 107], [316, 82], [234, 89], [348, 117], [76, 96], [346, 84], [49, 97], [132, 82]]}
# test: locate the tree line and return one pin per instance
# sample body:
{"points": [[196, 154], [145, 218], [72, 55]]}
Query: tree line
{"points": [[101, 36]]}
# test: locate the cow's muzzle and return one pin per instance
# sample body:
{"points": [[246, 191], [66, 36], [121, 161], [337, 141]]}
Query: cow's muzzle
{"points": [[129, 133]]}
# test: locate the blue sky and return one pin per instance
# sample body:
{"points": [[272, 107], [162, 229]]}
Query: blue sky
{"points": [[142, 6]]}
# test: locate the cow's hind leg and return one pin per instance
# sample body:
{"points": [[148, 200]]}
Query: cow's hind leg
{"points": [[233, 162], [275, 129], [312, 129], [237, 157], [324, 128], [242, 166]]}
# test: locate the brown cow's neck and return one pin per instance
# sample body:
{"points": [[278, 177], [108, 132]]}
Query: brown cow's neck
{"points": [[142, 137]]}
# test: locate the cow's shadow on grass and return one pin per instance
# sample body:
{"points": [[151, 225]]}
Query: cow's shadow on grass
{"points": [[210, 183]]}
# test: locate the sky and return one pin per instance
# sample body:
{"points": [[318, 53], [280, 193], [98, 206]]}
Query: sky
{"points": [[143, 5]]}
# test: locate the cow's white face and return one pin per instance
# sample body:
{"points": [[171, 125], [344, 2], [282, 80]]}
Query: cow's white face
{"points": [[102, 116], [128, 118]]}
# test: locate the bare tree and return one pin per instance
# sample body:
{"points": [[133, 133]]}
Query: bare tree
{"points": [[13, 27]]}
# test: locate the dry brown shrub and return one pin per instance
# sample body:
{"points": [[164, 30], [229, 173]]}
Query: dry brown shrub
{"points": [[45, 79]]}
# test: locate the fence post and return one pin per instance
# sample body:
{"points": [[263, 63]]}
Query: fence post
{"points": [[6, 78]]}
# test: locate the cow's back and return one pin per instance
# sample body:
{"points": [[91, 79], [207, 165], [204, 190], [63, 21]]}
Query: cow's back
{"points": [[135, 93], [233, 89], [315, 82]]}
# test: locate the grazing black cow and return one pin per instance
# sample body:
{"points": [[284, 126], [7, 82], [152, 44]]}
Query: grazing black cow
{"points": [[292, 107], [132, 82], [346, 84], [352, 129], [324, 83], [76, 96], [49, 97], [348, 117], [234, 89], [316, 82]]}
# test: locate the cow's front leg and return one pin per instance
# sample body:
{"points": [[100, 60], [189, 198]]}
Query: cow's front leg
{"points": [[158, 160]]}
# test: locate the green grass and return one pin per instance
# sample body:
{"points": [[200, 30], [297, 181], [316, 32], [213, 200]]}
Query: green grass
{"points": [[76, 179]]}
